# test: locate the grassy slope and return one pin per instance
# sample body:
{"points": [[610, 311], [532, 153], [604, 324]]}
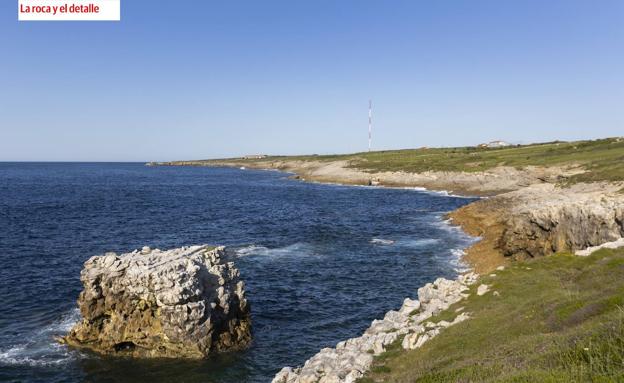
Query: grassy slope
{"points": [[604, 159], [557, 319]]}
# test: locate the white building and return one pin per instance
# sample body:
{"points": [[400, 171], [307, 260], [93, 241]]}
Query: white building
{"points": [[495, 144]]}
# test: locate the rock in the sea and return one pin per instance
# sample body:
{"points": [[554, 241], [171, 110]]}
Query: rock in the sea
{"points": [[187, 303]]}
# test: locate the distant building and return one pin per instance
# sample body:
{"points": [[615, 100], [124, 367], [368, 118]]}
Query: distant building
{"points": [[494, 144], [255, 157]]}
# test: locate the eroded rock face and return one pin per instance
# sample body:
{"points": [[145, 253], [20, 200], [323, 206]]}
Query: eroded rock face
{"points": [[187, 302], [540, 220], [547, 219]]}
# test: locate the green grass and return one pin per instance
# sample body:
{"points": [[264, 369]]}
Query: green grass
{"points": [[560, 321], [603, 159]]}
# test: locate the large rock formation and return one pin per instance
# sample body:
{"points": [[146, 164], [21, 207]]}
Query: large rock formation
{"points": [[186, 302], [551, 219], [543, 219], [546, 219]]}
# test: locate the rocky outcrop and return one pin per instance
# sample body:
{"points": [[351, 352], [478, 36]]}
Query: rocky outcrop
{"points": [[350, 359], [546, 219], [186, 302], [540, 220]]}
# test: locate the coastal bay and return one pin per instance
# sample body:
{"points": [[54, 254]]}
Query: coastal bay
{"points": [[548, 199], [320, 262]]}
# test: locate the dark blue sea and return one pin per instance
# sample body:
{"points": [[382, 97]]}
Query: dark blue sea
{"points": [[320, 261]]}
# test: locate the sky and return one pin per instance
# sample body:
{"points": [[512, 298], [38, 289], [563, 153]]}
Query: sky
{"points": [[201, 79]]}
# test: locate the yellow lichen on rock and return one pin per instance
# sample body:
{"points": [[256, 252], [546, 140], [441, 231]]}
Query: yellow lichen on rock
{"points": [[186, 302]]}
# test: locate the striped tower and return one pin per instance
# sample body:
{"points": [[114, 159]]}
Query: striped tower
{"points": [[370, 123]]}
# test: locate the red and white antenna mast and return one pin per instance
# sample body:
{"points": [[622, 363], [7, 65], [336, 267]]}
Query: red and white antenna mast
{"points": [[370, 123]]}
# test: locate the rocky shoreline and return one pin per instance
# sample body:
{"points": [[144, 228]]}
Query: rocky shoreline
{"points": [[352, 358], [529, 213], [484, 183], [540, 220]]}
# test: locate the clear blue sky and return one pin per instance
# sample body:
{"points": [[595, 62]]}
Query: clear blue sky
{"points": [[202, 79]]}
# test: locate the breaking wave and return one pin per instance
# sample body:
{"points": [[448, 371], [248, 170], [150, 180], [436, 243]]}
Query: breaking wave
{"points": [[41, 347], [417, 242], [298, 249], [381, 241]]}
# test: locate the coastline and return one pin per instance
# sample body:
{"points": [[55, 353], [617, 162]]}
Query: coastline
{"points": [[516, 221], [411, 325], [352, 358], [523, 213], [469, 222]]}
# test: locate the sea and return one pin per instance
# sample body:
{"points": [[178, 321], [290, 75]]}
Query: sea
{"points": [[320, 262]]}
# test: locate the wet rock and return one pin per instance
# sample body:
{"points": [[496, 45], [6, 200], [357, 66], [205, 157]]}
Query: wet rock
{"points": [[187, 302]]}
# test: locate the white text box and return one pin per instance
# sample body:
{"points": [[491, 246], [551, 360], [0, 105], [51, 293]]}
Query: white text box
{"points": [[69, 10]]}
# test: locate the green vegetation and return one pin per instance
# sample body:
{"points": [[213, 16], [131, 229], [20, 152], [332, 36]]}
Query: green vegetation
{"points": [[557, 319], [603, 159]]}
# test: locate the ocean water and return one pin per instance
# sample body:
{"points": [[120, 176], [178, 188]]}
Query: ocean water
{"points": [[320, 261]]}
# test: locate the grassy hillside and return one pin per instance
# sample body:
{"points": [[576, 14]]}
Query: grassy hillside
{"points": [[603, 159], [557, 319]]}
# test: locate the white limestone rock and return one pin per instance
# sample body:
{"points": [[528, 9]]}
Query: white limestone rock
{"points": [[482, 289], [607, 245], [187, 302]]}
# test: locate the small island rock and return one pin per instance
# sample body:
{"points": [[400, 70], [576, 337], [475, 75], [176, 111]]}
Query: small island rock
{"points": [[187, 303]]}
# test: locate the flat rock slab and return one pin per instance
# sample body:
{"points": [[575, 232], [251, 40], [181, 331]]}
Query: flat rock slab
{"points": [[180, 303]]}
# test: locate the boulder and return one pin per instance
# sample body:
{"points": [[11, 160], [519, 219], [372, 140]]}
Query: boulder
{"points": [[482, 289], [187, 302], [409, 306]]}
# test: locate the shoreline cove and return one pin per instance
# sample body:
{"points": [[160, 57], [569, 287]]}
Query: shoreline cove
{"points": [[538, 218], [297, 174], [319, 246], [350, 359]]}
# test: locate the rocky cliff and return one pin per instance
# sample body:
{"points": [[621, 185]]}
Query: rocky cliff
{"points": [[543, 219], [186, 302]]}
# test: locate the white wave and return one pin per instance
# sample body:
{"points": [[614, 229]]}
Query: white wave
{"points": [[444, 193], [381, 241], [417, 242], [457, 261], [458, 252], [405, 242], [296, 249], [41, 347], [447, 225], [251, 250]]}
